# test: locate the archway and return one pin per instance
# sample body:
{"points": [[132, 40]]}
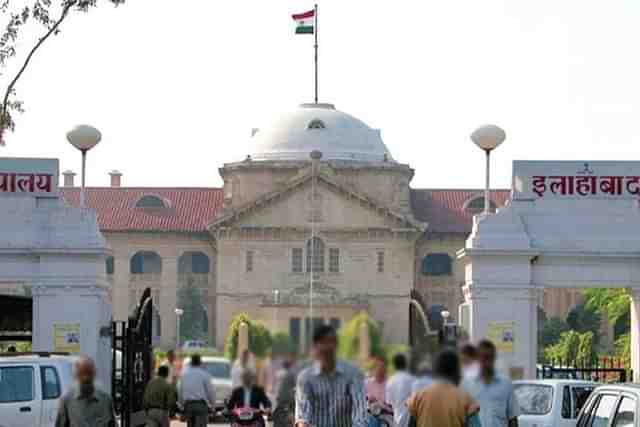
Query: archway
{"points": [[568, 225]]}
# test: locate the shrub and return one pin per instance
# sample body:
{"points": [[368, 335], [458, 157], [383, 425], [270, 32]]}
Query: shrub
{"points": [[349, 335], [259, 337], [281, 344]]}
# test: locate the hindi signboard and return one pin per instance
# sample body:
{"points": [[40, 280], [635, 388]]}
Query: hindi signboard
{"points": [[576, 180], [28, 176]]}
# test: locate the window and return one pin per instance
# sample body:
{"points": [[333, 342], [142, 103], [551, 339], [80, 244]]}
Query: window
{"points": [[50, 383], [585, 417], [476, 205], [193, 262], [110, 268], [16, 384], [580, 396], [625, 415], [535, 399], [603, 411], [316, 124], [380, 258], [294, 331], [150, 202], [296, 260], [335, 323], [249, 260], [315, 249], [566, 403], [436, 264], [334, 260], [145, 262]]}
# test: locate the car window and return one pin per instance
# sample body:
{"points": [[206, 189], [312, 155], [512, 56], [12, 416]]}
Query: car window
{"points": [[603, 411], [534, 399], [583, 419], [218, 369], [566, 402], [16, 384], [50, 383], [625, 415], [580, 396]]}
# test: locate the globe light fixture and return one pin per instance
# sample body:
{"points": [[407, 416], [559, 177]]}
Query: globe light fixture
{"points": [[488, 138], [84, 138]]}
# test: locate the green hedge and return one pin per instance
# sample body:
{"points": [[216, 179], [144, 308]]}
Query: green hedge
{"points": [[281, 344], [349, 336], [259, 337]]}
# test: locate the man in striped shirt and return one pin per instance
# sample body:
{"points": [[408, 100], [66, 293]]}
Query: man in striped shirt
{"points": [[330, 393]]}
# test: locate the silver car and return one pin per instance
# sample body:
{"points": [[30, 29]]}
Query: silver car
{"points": [[220, 370]]}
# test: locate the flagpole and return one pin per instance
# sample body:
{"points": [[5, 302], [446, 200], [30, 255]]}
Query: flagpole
{"points": [[315, 47]]}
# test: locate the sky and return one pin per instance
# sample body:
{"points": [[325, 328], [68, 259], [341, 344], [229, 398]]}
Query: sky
{"points": [[175, 86]]}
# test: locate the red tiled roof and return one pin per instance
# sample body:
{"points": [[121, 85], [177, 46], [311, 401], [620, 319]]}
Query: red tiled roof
{"points": [[444, 210], [190, 209]]}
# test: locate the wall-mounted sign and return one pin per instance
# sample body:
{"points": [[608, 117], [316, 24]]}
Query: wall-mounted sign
{"points": [[576, 179], [66, 337], [28, 176], [502, 335]]}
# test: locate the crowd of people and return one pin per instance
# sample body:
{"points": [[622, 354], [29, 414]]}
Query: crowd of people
{"points": [[459, 389]]}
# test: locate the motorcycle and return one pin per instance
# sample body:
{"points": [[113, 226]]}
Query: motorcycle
{"points": [[247, 417], [381, 415]]}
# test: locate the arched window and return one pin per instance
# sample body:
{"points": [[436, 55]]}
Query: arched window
{"points": [[194, 262], [150, 202], [109, 266], [144, 262], [315, 246], [436, 264], [316, 124], [476, 205]]}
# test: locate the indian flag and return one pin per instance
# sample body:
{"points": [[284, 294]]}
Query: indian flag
{"points": [[304, 22]]}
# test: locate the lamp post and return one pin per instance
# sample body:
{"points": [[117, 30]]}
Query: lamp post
{"points": [[84, 138], [449, 330], [179, 312], [488, 138]]}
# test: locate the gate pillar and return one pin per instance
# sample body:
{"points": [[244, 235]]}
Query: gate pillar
{"points": [[635, 333]]}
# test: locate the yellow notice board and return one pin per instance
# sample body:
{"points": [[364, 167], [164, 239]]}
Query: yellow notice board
{"points": [[66, 337], [502, 334]]}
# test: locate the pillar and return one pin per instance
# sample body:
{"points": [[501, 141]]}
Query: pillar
{"points": [[364, 342], [168, 300], [243, 338], [121, 286], [635, 332]]}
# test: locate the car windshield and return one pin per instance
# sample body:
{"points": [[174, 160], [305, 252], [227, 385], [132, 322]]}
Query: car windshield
{"points": [[218, 369], [534, 399]]}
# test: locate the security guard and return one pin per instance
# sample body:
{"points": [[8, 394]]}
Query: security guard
{"points": [[159, 399]]}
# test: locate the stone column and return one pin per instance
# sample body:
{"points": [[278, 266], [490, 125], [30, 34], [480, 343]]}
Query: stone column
{"points": [[121, 287], [168, 300], [635, 332]]}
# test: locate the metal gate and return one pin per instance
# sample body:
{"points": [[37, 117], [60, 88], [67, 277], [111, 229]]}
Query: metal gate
{"points": [[605, 370], [132, 358]]}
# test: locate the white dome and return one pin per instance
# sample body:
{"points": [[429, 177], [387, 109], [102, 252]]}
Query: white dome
{"points": [[337, 135]]}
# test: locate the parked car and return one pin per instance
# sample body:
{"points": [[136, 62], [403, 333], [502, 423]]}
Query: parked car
{"points": [[220, 370], [612, 405], [193, 345], [31, 387], [551, 403]]}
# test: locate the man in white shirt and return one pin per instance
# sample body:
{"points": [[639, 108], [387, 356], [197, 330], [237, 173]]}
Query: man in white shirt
{"points": [[398, 390], [196, 394]]}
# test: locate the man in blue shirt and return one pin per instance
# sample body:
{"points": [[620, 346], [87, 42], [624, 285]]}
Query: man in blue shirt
{"points": [[498, 404]]}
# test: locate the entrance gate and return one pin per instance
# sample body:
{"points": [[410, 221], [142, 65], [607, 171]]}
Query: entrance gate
{"points": [[132, 362], [568, 225]]}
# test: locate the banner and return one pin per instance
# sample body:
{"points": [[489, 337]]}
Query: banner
{"points": [[66, 337], [502, 334]]}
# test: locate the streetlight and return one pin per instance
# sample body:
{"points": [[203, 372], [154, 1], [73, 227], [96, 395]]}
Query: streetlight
{"points": [[179, 312], [449, 331], [84, 138], [488, 138]]}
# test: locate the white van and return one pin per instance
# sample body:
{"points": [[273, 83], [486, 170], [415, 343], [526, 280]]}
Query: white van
{"points": [[31, 386]]}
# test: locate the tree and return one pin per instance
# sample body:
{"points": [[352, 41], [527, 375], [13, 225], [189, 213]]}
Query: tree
{"points": [[614, 303], [552, 330], [281, 344], [47, 14], [573, 348], [259, 337], [349, 337], [584, 319], [192, 322]]}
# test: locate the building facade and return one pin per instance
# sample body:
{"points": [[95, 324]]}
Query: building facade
{"points": [[288, 235]]}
